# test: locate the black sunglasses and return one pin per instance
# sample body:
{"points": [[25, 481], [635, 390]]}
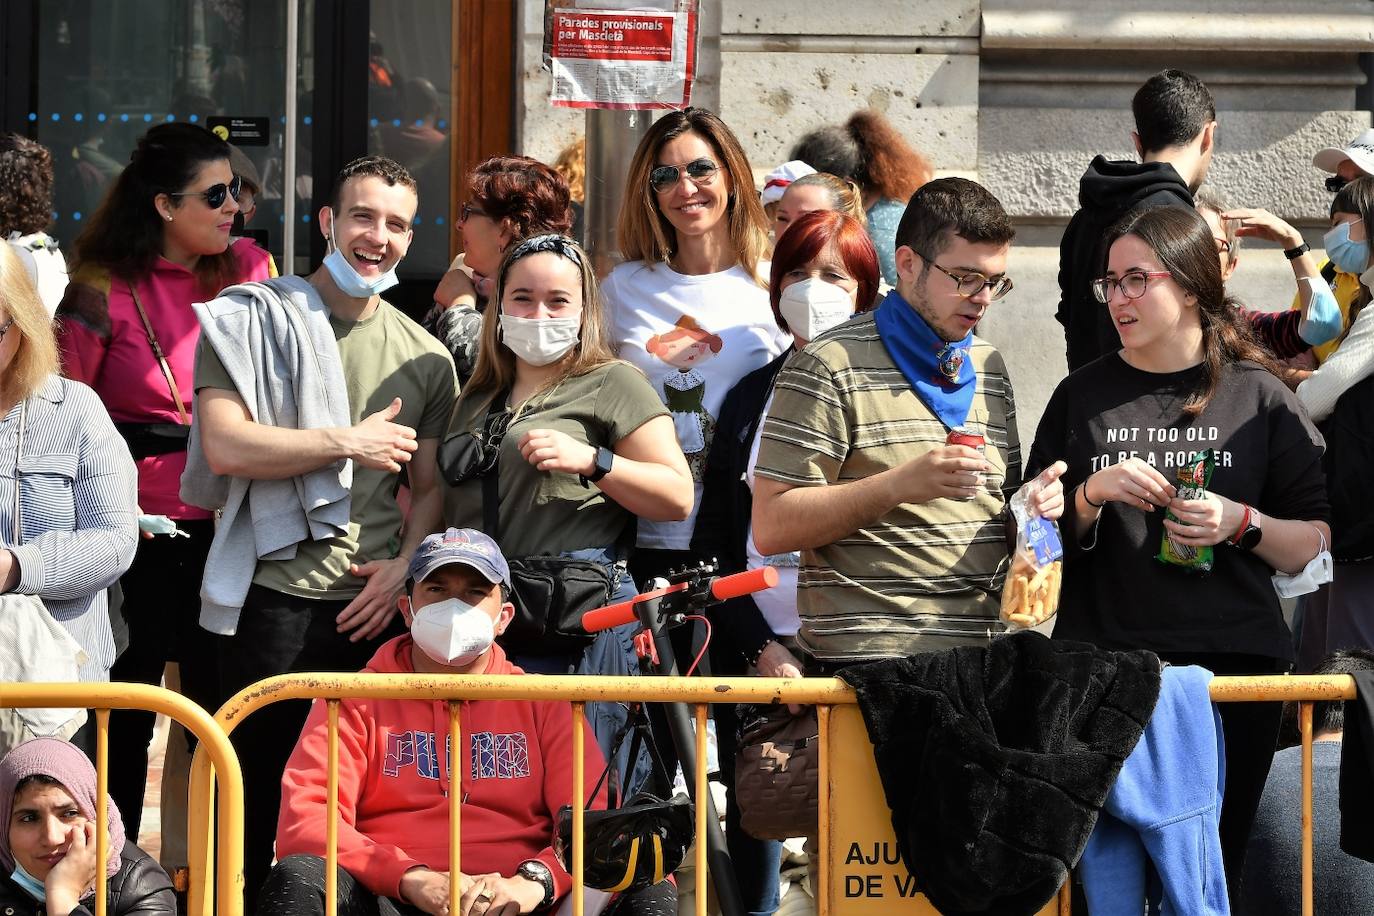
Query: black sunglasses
{"points": [[215, 194], [665, 177], [1335, 182]]}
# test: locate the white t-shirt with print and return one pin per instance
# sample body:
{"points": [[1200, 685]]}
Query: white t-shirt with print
{"points": [[694, 336], [778, 604]]}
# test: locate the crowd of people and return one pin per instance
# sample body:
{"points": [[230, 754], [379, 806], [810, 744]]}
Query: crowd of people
{"points": [[250, 475]]}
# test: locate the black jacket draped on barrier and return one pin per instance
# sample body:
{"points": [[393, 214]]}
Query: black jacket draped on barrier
{"points": [[995, 761]]}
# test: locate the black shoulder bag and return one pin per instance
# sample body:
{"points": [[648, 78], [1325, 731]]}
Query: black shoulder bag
{"points": [[550, 593]]}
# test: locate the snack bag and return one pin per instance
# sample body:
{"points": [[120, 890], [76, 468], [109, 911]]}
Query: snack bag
{"points": [[1193, 479], [1030, 595]]}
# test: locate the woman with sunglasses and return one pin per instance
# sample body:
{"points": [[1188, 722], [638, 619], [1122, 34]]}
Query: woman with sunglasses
{"points": [[689, 306], [1189, 378], [824, 271], [509, 198], [159, 241]]}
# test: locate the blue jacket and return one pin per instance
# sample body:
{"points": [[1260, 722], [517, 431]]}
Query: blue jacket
{"points": [[1156, 837]]}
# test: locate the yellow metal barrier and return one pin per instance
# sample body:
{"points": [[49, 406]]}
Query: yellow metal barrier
{"points": [[853, 813], [214, 745]]}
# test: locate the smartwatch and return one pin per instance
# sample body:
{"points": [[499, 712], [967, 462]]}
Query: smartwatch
{"points": [[539, 873], [601, 467], [1295, 253]]}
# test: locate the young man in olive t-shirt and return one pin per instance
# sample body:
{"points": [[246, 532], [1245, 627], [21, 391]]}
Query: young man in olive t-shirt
{"points": [[333, 603]]}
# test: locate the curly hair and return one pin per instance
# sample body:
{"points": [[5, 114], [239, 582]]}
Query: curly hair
{"points": [[389, 170], [26, 179], [534, 197]]}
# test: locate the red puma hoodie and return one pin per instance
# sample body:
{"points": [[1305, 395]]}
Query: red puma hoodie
{"points": [[515, 773]]}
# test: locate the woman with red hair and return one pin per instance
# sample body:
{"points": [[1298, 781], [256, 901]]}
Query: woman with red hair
{"points": [[824, 271]]}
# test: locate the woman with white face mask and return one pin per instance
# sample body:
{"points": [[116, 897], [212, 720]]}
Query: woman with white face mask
{"points": [[579, 442], [824, 271]]}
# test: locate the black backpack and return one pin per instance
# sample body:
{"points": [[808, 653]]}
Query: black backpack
{"points": [[1349, 467]]}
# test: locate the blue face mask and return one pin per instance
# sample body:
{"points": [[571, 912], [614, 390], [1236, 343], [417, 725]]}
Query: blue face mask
{"points": [[29, 883], [1350, 257], [347, 279]]}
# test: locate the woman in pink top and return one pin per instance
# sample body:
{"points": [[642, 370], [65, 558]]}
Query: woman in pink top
{"points": [[159, 242]]}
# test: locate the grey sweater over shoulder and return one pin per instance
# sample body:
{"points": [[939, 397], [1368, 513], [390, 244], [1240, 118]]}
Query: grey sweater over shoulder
{"points": [[277, 345]]}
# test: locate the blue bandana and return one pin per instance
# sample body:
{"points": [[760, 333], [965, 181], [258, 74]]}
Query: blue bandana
{"points": [[940, 372]]}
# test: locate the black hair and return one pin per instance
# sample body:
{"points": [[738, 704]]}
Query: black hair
{"points": [[1171, 109], [831, 149], [125, 235], [1329, 715], [36, 779], [947, 207], [389, 170]]}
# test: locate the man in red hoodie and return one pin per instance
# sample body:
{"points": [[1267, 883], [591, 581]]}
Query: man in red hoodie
{"points": [[514, 769]]}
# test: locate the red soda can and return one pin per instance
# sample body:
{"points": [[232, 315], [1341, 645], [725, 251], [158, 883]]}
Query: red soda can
{"points": [[961, 435]]}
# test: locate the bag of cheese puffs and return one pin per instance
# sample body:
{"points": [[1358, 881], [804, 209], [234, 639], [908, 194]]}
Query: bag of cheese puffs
{"points": [[1030, 595]]}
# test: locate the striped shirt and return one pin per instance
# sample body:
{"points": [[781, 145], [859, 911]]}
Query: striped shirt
{"points": [[79, 509], [922, 577]]}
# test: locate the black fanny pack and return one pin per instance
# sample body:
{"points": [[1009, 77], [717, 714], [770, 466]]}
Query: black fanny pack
{"points": [[148, 439]]}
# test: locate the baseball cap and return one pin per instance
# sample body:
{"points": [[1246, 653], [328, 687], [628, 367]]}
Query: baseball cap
{"points": [[459, 545], [1360, 151], [777, 180]]}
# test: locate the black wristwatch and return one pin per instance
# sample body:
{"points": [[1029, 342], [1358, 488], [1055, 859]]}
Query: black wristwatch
{"points": [[602, 466], [538, 872], [1295, 253]]}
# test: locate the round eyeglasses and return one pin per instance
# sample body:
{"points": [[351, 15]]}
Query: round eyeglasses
{"points": [[1132, 284], [215, 194], [970, 283], [665, 177]]}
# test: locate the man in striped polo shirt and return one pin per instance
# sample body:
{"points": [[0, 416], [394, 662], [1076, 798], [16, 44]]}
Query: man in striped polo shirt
{"points": [[903, 537]]}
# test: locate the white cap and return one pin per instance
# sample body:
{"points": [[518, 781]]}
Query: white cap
{"points": [[777, 180], [1360, 151]]}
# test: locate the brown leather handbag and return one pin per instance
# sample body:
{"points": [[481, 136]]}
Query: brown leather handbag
{"points": [[777, 772]]}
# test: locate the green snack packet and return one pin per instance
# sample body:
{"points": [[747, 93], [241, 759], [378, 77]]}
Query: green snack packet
{"points": [[1193, 479]]}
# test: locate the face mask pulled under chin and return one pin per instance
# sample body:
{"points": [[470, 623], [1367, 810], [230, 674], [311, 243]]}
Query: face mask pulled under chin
{"points": [[1314, 575], [452, 632], [347, 279]]}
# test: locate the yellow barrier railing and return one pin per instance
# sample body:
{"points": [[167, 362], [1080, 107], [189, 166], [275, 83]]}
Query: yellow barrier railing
{"points": [[826, 694], [214, 745]]}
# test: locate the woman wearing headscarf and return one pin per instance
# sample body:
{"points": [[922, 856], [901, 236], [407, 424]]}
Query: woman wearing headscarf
{"points": [[48, 848]]}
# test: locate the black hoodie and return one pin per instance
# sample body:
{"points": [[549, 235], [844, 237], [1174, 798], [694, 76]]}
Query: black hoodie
{"points": [[1108, 191]]}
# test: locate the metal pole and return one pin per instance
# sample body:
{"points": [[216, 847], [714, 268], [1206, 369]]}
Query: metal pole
{"points": [[722, 869], [288, 191], [612, 137]]}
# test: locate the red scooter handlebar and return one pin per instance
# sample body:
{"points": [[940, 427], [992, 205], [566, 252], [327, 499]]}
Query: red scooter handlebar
{"points": [[722, 589]]}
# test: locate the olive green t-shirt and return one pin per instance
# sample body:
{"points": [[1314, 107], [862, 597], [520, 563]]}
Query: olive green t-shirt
{"points": [[385, 356], [546, 511]]}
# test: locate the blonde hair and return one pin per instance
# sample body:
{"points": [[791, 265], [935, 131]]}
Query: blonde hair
{"points": [[495, 369], [644, 233], [36, 357], [845, 196], [572, 165]]}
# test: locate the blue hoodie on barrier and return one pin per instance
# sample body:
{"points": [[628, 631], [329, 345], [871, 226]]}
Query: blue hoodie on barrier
{"points": [[1156, 838]]}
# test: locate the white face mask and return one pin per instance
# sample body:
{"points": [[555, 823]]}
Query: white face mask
{"points": [[452, 632], [540, 341], [812, 306], [1314, 575]]}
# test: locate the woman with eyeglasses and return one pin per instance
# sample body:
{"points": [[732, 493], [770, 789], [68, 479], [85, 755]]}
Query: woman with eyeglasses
{"points": [[689, 306], [509, 198], [824, 271], [159, 242], [576, 442], [1189, 379]]}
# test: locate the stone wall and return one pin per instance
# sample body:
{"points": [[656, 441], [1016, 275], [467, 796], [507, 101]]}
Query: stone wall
{"points": [[1021, 94]]}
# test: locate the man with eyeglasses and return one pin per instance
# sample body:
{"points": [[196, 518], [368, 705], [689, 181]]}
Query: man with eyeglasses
{"points": [[903, 536], [1175, 134]]}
